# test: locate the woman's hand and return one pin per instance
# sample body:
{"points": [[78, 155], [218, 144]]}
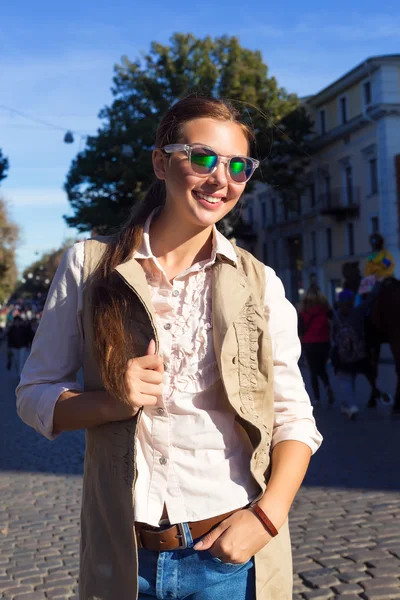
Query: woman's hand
{"points": [[143, 383], [237, 539], [82, 410]]}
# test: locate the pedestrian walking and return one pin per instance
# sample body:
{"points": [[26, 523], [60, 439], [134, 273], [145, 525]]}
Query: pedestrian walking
{"points": [[315, 332], [198, 427], [350, 355], [18, 342], [3, 321]]}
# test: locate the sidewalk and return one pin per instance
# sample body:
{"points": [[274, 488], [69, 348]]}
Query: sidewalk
{"points": [[345, 521]]}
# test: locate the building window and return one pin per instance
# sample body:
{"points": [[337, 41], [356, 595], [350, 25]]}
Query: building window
{"points": [[373, 176], [348, 178], [273, 210], [350, 239], [275, 254], [313, 248], [263, 214], [298, 204], [367, 96], [312, 195], [286, 209], [322, 122], [375, 224], [343, 110], [329, 243], [265, 253], [327, 190], [250, 214]]}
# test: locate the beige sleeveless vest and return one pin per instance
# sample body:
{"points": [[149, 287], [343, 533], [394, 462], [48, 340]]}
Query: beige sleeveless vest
{"points": [[108, 567]]}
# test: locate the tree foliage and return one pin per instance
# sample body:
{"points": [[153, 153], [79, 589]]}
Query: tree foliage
{"points": [[3, 166], [114, 170], [37, 277], [9, 237]]}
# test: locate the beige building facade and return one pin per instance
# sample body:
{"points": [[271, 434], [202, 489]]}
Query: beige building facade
{"points": [[353, 188]]}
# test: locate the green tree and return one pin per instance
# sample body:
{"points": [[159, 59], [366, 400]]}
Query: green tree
{"points": [[114, 170], [9, 237], [37, 277], [3, 166]]}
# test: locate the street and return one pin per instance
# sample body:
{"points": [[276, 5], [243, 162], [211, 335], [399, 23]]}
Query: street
{"points": [[345, 522]]}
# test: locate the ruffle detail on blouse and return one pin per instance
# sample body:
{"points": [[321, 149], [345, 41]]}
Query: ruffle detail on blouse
{"points": [[193, 350], [191, 362]]}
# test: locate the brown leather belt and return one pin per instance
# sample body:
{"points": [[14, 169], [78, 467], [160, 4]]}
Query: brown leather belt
{"points": [[173, 537]]}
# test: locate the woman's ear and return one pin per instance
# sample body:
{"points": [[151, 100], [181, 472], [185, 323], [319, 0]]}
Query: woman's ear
{"points": [[159, 163]]}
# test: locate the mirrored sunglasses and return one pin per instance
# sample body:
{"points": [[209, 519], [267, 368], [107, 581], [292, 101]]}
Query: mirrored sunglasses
{"points": [[204, 161]]}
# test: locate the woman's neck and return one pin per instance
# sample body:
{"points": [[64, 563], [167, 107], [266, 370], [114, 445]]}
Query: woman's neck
{"points": [[178, 247]]}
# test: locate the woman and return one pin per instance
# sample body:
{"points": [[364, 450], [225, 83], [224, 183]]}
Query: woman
{"points": [[350, 355], [180, 336], [314, 320], [18, 344]]}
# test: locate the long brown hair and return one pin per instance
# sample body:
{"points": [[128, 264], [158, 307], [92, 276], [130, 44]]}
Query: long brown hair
{"points": [[313, 297], [111, 299]]}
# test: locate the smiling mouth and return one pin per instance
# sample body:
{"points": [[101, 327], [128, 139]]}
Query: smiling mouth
{"points": [[207, 198]]}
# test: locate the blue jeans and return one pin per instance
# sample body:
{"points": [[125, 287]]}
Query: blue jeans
{"points": [[193, 575]]}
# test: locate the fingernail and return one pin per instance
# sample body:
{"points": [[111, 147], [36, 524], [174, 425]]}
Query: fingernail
{"points": [[198, 545]]}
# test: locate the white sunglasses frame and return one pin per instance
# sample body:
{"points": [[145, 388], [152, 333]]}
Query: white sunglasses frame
{"points": [[170, 148]]}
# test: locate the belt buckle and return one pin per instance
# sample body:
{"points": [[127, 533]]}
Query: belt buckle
{"points": [[182, 536]]}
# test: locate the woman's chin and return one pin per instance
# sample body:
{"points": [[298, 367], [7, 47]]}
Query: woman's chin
{"points": [[207, 217]]}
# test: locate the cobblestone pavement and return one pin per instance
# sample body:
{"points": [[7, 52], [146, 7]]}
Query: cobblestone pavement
{"points": [[345, 522]]}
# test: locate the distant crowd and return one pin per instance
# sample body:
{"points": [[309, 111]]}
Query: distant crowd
{"points": [[18, 324], [338, 335]]}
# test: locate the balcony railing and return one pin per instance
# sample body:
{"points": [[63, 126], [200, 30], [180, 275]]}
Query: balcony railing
{"points": [[340, 203]]}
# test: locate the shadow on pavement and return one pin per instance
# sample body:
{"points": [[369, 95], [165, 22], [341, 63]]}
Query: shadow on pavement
{"points": [[360, 454], [363, 454]]}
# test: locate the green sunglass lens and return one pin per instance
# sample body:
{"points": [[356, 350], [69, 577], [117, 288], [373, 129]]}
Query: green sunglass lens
{"points": [[203, 162], [240, 169]]}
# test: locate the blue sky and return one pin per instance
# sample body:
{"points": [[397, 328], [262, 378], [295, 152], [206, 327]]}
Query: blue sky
{"points": [[57, 61]]}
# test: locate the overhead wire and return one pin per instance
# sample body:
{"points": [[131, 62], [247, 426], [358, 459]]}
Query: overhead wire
{"points": [[43, 122]]}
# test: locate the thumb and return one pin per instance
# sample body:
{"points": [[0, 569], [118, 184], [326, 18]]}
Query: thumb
{"points": [[151, 350], [208, 540]]}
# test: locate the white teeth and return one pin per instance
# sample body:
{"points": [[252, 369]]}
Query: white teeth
{"points": [[210, 199]]}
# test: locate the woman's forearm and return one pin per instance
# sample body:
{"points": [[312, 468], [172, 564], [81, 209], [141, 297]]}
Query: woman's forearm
{"points": [[81, 410], [289, 463]]}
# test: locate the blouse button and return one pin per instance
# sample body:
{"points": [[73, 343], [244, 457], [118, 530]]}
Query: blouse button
{"points": [[175, 293], [167, 326], [160, 411], [163, 460]]}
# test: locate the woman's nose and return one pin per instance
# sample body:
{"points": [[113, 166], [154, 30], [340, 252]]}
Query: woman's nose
{"points": [[219, 177]]}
